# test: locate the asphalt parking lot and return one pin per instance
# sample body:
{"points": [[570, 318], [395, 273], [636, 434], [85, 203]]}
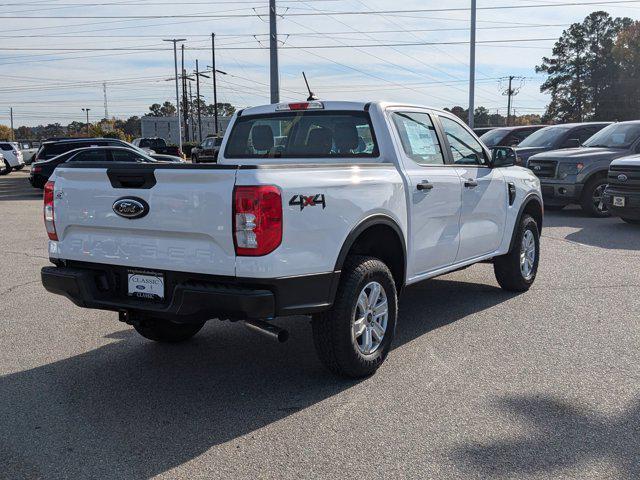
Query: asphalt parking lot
{"points": [[481, 383]]}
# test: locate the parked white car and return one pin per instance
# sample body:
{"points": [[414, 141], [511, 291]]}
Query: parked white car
{"points": [[29, 150], [13, 159], [327, 209]]}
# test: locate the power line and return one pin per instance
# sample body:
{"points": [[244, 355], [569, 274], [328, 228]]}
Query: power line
{"points": [[324, 13]]}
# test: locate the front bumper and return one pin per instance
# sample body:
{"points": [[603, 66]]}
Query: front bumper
{"points": [[631, 207], [556, 192], [192, 297]]}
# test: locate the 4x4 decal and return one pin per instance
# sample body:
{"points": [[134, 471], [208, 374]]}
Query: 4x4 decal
{"points": [[308, 201]]}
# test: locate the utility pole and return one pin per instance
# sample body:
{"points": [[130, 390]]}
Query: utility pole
{"points": [[106, 108], [13, 136], [184, 96], [87, 112], [198, 103], [472, 64], [215, 91], [175, 66], [273, 49], [193, 134], [511, 92]]}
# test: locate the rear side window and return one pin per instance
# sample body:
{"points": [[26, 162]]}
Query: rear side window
{"points": [[418, 138], [91, 156], [303, 134]]}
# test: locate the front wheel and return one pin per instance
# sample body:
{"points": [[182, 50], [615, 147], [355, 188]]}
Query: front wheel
{"points": [[632, 221], [7, 168], [517, 270], [354, 337], [166, 331], [593, 203]]}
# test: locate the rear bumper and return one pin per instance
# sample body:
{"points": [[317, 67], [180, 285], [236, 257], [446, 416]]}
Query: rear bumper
{"points": [[631, 208], [193, 297]]}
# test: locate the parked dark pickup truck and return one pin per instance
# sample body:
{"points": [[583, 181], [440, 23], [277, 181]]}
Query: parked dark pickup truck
{"points": [[579, 175], [207, 151], [622, 195], [158, 145], [556, 137]]}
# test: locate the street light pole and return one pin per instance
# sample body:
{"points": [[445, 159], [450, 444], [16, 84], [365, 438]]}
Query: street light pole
{"points": [[273, 49], [215, 91], [472, 64], [87, 111], [175, 66]]}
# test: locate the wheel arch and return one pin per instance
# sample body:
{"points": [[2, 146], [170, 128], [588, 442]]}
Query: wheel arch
{"points": [[532, 205], [378, 236]]}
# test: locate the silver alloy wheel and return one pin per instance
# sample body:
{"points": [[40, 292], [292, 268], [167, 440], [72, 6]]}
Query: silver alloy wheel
{"points": [[527, 254], [369, 323], [598, 200]]}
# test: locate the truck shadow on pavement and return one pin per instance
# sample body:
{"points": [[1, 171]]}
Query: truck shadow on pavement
{"points": [[16, 186], [135, 409], [560, 436], [610, 233]]}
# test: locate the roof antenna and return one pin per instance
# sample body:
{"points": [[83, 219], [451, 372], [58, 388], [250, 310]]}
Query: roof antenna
{"points": [[311, 95]]}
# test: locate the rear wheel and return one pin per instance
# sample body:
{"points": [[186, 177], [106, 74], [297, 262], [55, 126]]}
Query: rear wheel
{"points": [[593, 198], [167, 331], [517, 270], [354, 337], [632, 221]]}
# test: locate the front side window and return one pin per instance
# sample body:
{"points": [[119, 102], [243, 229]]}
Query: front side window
{"points": [[465, 149], [418, 138], [303, 134]]}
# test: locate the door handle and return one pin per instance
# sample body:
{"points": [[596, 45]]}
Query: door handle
{"points": [[470, 183], [424, 185]]}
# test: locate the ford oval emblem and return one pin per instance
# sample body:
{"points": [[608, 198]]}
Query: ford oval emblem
{"points": [[537, 168], [622, 177], [131, 207]]}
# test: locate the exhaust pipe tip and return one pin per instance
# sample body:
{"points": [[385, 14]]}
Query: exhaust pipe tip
{"points": [[267, 329]]}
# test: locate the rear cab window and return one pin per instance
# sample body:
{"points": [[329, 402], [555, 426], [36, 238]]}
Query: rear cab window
{"points": [[303, 134]]}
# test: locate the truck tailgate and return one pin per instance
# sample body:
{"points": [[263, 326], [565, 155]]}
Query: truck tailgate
{"points": [[188, 226]]}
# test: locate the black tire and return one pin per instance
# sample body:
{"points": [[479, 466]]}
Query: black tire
{"points": [[194, 159], [333, 334], [554, 208], [632, 221], [507, 267], [17, 169], [592, 190], [7, 168], [166, 331]]}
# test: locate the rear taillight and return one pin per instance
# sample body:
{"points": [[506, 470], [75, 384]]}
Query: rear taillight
{"points": [[49, 217], [36, 169], [257, 219]]}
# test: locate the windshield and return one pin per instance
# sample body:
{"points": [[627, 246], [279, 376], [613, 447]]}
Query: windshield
{"points": [[545, 137], [618, 135], [303, 134], [494, 137]]}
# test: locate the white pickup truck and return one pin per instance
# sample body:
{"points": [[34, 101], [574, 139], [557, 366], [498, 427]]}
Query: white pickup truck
{"points": [[327, 209]]}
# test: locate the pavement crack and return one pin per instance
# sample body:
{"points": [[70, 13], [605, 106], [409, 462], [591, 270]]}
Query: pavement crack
{"points": [[12, 288], [28, 255]]}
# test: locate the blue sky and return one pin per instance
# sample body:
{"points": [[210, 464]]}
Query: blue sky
{"points": [[47, 84]]}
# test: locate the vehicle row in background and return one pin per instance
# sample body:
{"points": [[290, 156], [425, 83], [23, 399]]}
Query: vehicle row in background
{"points": [[508, 136], [54, 153]]}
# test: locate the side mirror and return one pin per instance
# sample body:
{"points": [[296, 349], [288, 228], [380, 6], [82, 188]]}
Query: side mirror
{"points": [[572, 143], [503, 157]]}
